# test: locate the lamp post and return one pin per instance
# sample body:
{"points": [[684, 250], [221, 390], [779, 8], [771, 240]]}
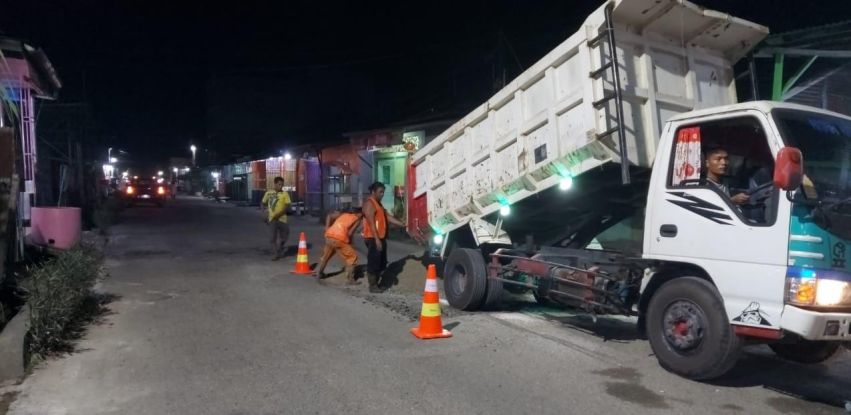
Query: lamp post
{"points": [[193, 148], [215, 175], [109, 160]]}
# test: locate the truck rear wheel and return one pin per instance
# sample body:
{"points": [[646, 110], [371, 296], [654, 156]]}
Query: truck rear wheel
{"points": [[689, 331], [465, 279], [493, 292], [806, 351]]}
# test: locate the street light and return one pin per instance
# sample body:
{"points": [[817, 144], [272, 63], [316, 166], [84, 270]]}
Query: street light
{"points": [[108, 170], [193, 148], [287, 156], [113, 160], [160, 173]]}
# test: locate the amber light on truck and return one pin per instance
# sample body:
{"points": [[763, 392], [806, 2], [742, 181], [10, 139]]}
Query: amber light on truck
{"points": [[160, 190], [130, 190], [821, 288]]}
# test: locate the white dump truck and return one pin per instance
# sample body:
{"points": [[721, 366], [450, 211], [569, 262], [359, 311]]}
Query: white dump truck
{"points": [[587, 183]]}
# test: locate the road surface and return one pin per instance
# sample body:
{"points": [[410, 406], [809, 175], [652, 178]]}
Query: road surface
{"points": [[205, 323]]}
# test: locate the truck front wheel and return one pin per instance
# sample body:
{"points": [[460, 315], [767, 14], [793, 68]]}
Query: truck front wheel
{"points": [[689, 331], [465, 279], [806, 351]]}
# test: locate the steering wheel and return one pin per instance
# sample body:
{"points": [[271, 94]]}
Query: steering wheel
{"points": [[757, 195], [759, 188]]}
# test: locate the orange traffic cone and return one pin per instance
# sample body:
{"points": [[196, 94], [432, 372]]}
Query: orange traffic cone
{"points": [[301, 264], [430, 325]]}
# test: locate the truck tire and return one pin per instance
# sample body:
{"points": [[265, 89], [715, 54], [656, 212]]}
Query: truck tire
{"points": [[689, 331], [465, 279], [493, 292], [806, 351]]}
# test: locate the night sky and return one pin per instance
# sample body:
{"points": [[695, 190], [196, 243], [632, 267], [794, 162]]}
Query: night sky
{"points": [[252, 77]]}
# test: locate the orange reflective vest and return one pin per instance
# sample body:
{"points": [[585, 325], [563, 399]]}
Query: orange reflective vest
{"points": [[339, 230], [380, 222]]}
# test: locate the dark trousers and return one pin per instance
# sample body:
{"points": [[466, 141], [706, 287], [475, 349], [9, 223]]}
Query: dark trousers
{"points": [[376, 261], [280, 231]]}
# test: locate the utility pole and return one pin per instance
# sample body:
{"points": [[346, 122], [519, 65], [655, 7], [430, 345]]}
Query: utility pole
{"points": [[81, 184]]}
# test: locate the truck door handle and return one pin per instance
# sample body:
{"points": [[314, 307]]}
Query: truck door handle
{"points": [[668, 231]]}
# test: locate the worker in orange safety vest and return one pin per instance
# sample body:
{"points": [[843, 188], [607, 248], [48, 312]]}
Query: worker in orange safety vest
{"points": [[375, 235], [339, 228]]}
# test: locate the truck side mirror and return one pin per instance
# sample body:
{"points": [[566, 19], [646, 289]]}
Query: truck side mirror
{"points": [[789, 169]]}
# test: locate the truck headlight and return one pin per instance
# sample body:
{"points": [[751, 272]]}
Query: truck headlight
{"points": [[831, 293], [820, 288]]}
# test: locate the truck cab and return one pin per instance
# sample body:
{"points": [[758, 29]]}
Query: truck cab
{"points": [[777, 260]]}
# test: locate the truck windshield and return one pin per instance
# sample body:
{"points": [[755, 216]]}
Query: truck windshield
{"points": [[825, 142]]}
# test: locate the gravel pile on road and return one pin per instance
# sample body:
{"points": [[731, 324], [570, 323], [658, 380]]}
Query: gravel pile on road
{"points": [[404, 281], [405, 276]]}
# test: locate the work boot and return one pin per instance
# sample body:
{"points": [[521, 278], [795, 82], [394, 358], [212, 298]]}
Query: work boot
{"points": [[373, 283], [350, 275]]}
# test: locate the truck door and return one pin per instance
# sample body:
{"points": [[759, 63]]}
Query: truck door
{"points": [[692, 219]]}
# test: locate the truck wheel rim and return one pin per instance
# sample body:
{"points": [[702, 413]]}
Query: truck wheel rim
{"points": [[459, 280], [684, 326]]}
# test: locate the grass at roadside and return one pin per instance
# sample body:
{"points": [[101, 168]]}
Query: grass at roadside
{"points": [[61, 300]]}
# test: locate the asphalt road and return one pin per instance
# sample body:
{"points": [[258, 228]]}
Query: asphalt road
{"points": [[205, 323]]}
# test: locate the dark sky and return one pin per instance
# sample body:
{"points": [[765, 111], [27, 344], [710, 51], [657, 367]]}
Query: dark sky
{"points": [[251, 77]]}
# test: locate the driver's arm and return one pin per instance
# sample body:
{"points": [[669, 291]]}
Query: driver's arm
{"points": [[740, 198]]}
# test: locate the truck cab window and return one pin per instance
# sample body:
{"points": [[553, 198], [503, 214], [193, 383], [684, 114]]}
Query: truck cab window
{"points": [[732, 157]]}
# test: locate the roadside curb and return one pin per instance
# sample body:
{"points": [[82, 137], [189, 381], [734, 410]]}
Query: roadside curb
{"points": [[12, 348]]}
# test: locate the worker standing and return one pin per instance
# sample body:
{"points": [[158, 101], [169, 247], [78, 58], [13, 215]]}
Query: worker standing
{"points": [[375, 235], [277, 201], [339, 228]]}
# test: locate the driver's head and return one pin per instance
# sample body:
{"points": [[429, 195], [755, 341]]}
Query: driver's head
{"points": [[716, 161]]}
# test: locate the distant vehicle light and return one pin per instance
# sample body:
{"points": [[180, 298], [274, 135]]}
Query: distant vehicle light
{"points": [[130, 190], [160, 190]]}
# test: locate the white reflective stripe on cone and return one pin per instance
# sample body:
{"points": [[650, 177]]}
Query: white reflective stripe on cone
{"points": [[431, 286]]}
